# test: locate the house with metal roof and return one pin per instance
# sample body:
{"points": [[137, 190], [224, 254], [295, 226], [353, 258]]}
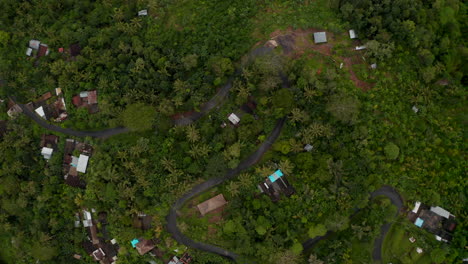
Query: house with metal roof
{"points": [[86, 99], [352, 34], [234, 119], [275, 185], [436, 220], [320, 37], [212, 204]]}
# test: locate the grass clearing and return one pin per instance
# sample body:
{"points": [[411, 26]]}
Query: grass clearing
{"points": [[398, 249]]}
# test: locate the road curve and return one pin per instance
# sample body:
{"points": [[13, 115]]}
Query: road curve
{"points": [[43, 123], [396, 200], [222, 92], [202, 187]]}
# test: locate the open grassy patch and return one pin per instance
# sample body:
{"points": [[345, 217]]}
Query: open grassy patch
{"points": [[397, 247]]}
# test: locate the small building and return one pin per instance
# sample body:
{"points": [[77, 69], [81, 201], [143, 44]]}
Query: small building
{"points": [[352, 34], [185, 259], [144, 246], [13, 109], [415, 109], [43, 50], [234, 119], [143, 12], [373, 66], [212, 204], [320, 37], [142, 221], [271, 43], [34, 44], [29, 52], [275, 185], [361, 47], [308, 148], [98, 254], [47, 153]]}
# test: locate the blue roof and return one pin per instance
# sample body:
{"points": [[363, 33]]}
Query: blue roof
{"points": [[134, 242], [419, 222], [275, 176]]}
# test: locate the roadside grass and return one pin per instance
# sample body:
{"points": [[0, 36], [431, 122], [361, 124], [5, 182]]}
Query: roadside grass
{"points": [[398, 249]]}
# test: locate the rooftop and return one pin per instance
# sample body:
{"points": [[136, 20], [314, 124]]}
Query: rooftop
{"points": [[212, 204], [320, 37]]}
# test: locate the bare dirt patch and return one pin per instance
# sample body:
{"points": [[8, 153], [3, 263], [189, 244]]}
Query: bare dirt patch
{"points": [[296, 42]]}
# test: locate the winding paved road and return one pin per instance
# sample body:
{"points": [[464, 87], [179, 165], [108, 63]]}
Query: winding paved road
{"points": [[182, 121], [396, 200], [222, 92], [202, 187], [43, 123]]}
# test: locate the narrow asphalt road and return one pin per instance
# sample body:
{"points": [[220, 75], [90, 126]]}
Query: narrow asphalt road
{"points": [[202, 187], [396, 200], [222, 92], [43, 123]]}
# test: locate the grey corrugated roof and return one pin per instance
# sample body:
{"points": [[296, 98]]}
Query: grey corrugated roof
{"points": [[320, 37]]}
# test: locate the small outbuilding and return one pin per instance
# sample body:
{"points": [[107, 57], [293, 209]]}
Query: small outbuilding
{"points": [[320, 37], [352, 34], [212, 204], [234, 119], [361, 47], [82, 163]]}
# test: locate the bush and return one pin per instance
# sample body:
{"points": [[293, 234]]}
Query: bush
{"points": [[392, 151]]}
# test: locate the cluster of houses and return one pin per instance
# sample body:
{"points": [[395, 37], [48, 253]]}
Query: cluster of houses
{"points": [[51, 106], [99, 248], [435, 220], [75, 158], [37, 49]]}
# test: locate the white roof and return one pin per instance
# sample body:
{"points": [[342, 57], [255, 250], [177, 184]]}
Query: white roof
{"points": [[82, 163], [441, 211], [174, 260], [113, 241], [28, 52], [58, 91], [352, 34], [86, 215], [40, 111], [34, 44], [419, 250], [320, 37], [308, 147], [143, 12], [87, 223], [234, 118], [361, 47], [77, 223], [416, 207], [374, 66], [84, 94], [47, 152], [415, 109]]}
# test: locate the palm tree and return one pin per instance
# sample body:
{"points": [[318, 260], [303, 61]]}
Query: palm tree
{"points": [[233, 188], [192, 134], [286, 166]]}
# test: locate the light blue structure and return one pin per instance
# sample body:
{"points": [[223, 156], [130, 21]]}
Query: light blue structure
{"points": [[275, 176], [419, 222], [134, 242]]}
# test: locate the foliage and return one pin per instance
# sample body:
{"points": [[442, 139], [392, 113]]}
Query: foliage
{"points": [[138, 117]]}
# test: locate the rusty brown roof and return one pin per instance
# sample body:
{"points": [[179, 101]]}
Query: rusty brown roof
{"points": [[212, 204]]}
